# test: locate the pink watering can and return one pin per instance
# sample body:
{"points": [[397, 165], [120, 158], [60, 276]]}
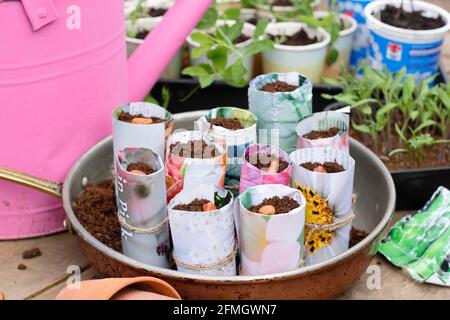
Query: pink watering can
{"points": [[63, 69]]}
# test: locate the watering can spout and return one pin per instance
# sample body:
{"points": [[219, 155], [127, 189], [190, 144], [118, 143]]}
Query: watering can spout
{"points": [[149, 61]]}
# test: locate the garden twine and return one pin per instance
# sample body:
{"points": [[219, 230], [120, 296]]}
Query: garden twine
{"points": [[198, 267]]}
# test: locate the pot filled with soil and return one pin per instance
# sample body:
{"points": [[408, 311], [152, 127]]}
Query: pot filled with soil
{"points": [[281, 6], [355, 9], [270, 221], [264, 165], [280, 101], [141, 124], [193, 160], [297, 48], [325, 129], [243, 41], [146, 9], [142, 206], [344, 43], [325, 177], [406, 34], [233, 127], [136, 33], [203, 232], [252, 16]]}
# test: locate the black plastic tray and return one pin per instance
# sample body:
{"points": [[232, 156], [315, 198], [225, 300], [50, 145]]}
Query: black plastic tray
{"points": [[414, 186]]}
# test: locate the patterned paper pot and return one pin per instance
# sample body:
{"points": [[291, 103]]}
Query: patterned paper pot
{"points": [[279, 112], [248, 31], [147, 25], [308, 59], [355, 9], [343, 44], [393, 48], [235, 140]]}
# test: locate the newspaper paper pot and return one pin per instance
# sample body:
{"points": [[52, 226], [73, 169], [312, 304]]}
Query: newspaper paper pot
{"points": [[151, 136], [269, 243], [322, 121], [329, 202], [204, 242], [195, 171], [234, 140], [253, 176], [142, 208], [278, 113]]}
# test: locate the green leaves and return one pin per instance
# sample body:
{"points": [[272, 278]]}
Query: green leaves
{"points": [[219, 58], [203, 72], [208, 20]]}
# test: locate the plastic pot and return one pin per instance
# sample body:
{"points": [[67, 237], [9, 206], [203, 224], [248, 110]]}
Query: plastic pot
{"points": [[393, 48], [308, 59]]}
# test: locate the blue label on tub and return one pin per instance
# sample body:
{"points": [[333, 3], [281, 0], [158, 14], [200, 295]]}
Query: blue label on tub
{"points": [[355, 9], [422, 59]]}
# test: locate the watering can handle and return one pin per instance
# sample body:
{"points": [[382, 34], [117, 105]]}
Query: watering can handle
{"points": [[39, 12], [50, 187]]}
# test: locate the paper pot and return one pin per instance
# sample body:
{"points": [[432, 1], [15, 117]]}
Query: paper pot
{"points": [[191, 171], [308, 59], [278, 113], [248, 30], [269, 243], [142, 208], [234, 140], [204, 242], [150, 136], [322, 121], [393, 48], [343, 44], [146, 25], [329, 201], [252, 176]]}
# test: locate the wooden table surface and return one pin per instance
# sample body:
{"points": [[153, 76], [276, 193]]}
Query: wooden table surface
{"points": [[47, 274]]}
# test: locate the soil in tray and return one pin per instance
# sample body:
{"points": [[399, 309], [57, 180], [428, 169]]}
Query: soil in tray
{"points": [[300, 38], [136, 118], [412, 20], [404, 160], [265, 162], [198, 149], [275, 205], [140, 166], [230, 124], [157, 12], [315, 134], [326, 167], [278, 86], [96, 210], [196, 205]]}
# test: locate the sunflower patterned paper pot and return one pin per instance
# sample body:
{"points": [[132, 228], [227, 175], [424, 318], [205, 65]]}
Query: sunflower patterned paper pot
{"points": [[203, 234], [238, 136], [325, 129], [251, 175], [269, 243], [279, 112], [329, 201], [142, 206], [193, 159]]}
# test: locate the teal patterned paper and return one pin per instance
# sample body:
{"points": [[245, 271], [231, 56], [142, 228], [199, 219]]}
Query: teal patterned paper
{"points": [[420, 242], [280, 110]]}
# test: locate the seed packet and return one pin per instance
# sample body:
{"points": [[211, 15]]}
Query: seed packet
{"points": [[325, 129], [329, 201], [141, 134], [181, 166], [142, 207], [236, 138], [420, 242], [279, 112], [204, 240], [269, 243], [251, 175]]}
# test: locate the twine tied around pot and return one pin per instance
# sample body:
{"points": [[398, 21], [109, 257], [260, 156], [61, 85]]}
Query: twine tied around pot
{"points": [[200, 267], [154, 229]]}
